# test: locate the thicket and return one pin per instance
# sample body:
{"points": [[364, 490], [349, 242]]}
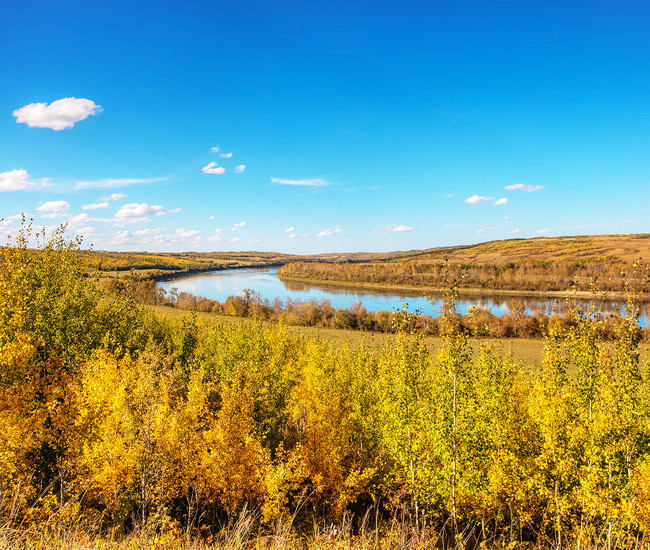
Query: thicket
{"points": [[111, 418], [604, 275]]}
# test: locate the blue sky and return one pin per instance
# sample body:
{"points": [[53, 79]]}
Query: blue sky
{"points": [[352, 125]]}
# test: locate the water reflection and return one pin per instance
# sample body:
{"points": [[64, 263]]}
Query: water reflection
{"points": [[218, 285]]}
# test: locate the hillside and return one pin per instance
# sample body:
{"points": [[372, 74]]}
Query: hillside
{"points": [[607, 263], [622, 248]]}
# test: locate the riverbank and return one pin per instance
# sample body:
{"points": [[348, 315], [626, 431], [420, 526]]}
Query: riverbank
{"points": [[468, 292], [182, 274]]}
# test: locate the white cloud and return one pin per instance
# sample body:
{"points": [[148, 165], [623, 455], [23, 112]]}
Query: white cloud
{"points": [[448, 195], [116, 182], [338, 229], [326, 233], [60, 114], [150, 232], [506, 217], [211, 217], [121, 237], [225, 155], [314, 182], [134, 211], [6, 224], [487, 229], [215, 149], [290, 229], [86, 230], [475, 199], [239, 169], [117, 196], [234, 240], [212, 168], [394, 228], [80, 219], [238, 226], [19, 180], [54, 208], [543, 231], [187, 233], [501, 201], [515, 231], [293, 236], [523, 187], [158, 237], [95, 206]]}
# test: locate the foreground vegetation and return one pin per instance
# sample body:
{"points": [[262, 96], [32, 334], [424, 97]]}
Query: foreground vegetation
{"points": [[118, 426]]}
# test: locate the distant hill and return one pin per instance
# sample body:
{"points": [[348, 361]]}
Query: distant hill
{"points": [[621, 248], [549, 265]]}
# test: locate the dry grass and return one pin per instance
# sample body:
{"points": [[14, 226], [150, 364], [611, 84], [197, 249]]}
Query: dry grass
{"points": [[625, 248], [528, 351], [245, 534]]}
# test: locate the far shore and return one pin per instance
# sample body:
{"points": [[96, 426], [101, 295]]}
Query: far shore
{"points": [[463, 291]]}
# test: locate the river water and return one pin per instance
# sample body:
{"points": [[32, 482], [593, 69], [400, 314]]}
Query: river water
{"points": [[218, 285]]}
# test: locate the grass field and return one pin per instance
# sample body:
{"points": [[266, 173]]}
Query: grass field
{"points": [[528, 351]]}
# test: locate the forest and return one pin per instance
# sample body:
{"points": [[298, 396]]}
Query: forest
{"points": [[121, 427]]}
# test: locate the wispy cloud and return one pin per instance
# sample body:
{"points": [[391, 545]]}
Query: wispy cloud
{"points": [[215, 149], [134, 212], [95, 206], [113, 197], [313, 182], [524, 187], [329, 232], [290, 229], [238, 226], [239, 169], [212, 168], [19, 180], [543, 231], [515, 231], [394, 228], [225, 155], [60, 114], [219, 235], [476, 199], [487, 229], [116, 182], [501, 201]]}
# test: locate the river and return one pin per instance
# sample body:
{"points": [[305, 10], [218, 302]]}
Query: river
{"points": [[218, 285]]}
